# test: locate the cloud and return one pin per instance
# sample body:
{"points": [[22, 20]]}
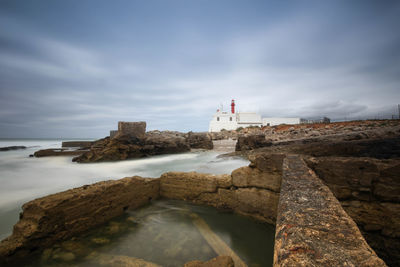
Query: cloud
{"points": [[174, 68]]}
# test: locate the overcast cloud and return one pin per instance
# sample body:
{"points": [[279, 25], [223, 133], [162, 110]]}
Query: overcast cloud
{"points": [[75, 68]]}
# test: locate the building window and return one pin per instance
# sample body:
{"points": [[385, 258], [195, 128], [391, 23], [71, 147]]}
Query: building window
{"points": [[217, 118], [230, 118]]}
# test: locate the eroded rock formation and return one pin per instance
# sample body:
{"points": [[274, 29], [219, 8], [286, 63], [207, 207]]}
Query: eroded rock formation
{"points": [[60, 216], [251, 191], [369, 191], [312, 229]]}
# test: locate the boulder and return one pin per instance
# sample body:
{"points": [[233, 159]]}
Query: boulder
{"points": [[200, 140], [252, 142]]}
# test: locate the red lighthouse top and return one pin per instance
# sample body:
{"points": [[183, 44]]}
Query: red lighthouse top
{"points": [[233, 106]]}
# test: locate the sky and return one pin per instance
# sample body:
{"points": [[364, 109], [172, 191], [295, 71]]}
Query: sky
{"points": [[73, 69]]}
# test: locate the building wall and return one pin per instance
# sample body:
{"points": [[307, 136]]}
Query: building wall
{"points": [[223, 120], [277, 121], [249, 118]]}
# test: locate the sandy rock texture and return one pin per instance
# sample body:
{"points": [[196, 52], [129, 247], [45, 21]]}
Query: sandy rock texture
{"points": [[123, 147], [251, 191], [312, 229], [369, 191], [60, 216]]}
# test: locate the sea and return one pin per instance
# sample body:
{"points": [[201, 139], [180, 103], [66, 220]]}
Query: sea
{"points": [[24, 178]]}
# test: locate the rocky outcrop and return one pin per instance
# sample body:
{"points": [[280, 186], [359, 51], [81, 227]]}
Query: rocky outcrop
{"points": [[368, 190], [252, 142], [200, 140], [81, 144], [256, 195], [50, 152], [8, 148], [220, 261], [60, 216], [126, 147], [312, 229]]}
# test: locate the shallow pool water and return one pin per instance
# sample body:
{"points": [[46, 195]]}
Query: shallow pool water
{"points": [[167, 233]]}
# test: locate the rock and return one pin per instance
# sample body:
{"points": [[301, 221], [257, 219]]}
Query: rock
{"points": [[64, 256], [57, 152], [252, 142], [312, 229], [8, 148], [82, 144], [100, 240], [124, 147], [175, 185], [60, 216], [121, 261], [252, 177], [220, 261], [200, 140]]}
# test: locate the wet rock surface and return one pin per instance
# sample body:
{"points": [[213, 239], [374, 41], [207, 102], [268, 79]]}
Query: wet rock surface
{"points": [[312, 229], [63, 215], [252, 191], [57, 152], [8, 148], [123, 147]]}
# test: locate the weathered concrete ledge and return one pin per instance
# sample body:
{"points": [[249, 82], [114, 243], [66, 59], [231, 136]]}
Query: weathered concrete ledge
{"points": [[312, 229]]}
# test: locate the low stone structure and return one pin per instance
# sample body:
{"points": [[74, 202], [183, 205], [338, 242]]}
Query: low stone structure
{"points": [[369, 191], [136, 129], [312, 229]]}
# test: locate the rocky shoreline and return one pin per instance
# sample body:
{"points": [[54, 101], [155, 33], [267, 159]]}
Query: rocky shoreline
{"points": [[348, 192]]}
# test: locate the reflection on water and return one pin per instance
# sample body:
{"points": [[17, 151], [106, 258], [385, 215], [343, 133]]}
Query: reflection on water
{"points": [[23, 178], [164, 233]]}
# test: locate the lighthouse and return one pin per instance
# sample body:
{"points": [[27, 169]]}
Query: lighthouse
{"points": [[233, 106]]}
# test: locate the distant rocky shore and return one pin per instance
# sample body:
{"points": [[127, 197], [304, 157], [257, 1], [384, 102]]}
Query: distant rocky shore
{"points": [[132, 141], [332, 190], [8, 148]]}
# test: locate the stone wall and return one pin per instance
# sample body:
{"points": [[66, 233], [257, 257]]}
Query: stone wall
{"points": [[137, 129], [113, 133], [60, 216], [369, 191], [252, 191], [312, 229]]}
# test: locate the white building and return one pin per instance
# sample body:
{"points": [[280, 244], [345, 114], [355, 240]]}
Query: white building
{"points": [[277, 121], [233, 120]]}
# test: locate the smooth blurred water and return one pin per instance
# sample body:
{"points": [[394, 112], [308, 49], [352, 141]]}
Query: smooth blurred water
{"points": [[165, 233], [23, 178]]}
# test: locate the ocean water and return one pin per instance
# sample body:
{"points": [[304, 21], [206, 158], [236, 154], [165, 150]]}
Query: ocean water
{"points": [[23, 178], [168, 233]]}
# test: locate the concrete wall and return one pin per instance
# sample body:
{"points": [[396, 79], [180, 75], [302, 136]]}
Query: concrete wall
{"points": [[278, 121]]}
